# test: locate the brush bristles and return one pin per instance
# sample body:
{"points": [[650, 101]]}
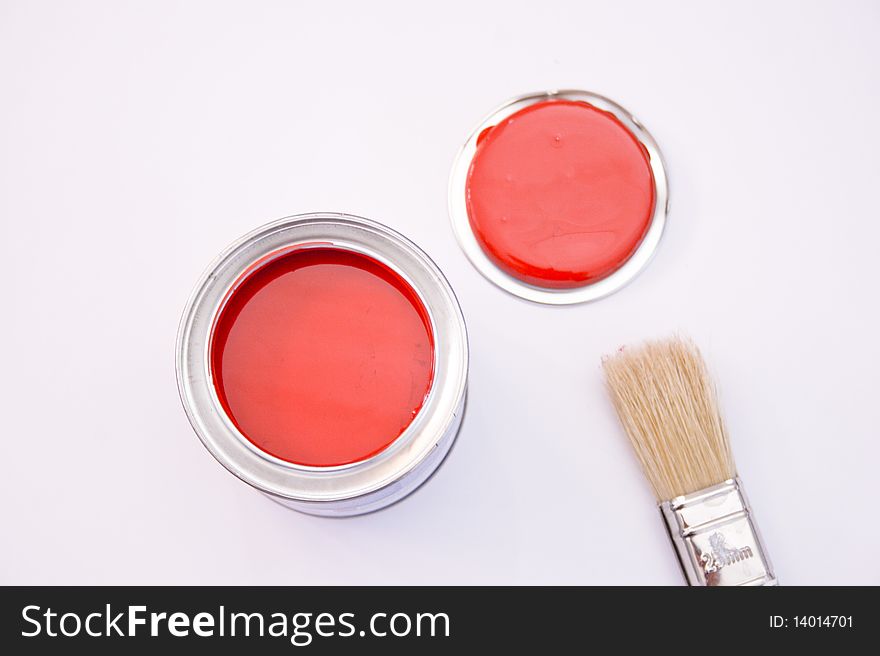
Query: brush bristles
{"points": [[669, 409]]}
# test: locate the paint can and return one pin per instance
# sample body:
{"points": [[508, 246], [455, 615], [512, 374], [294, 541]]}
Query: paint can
{"points": [[268, 451]]}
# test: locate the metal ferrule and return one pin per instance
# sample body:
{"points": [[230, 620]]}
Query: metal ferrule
{"points": [[715, 537]]}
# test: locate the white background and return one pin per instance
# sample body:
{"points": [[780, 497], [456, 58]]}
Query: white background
{"points": [[138, 139]]}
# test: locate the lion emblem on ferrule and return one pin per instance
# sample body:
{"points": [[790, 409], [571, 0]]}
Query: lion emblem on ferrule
{"points": [[722, 555]]}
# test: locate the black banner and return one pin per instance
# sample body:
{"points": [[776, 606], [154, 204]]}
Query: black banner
{"points": [[431, 620]]}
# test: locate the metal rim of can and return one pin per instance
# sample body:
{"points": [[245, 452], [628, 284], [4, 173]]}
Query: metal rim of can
{"points": [[358, 487], [611, 283]]}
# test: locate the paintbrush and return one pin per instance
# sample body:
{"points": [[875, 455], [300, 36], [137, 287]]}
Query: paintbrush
{"points": [[669, 409]]}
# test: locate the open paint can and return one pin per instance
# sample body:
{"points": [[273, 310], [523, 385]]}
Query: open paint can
{"points": [[323, 359]]}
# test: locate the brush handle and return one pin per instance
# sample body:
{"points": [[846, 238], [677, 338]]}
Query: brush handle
{"points": [[716, 539]]}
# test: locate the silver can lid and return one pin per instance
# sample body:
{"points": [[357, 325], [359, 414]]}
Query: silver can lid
{"points": [[591, 290]]}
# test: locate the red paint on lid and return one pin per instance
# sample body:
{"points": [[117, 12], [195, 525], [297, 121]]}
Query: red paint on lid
{"points": [[559, 194], [322, 356]]}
